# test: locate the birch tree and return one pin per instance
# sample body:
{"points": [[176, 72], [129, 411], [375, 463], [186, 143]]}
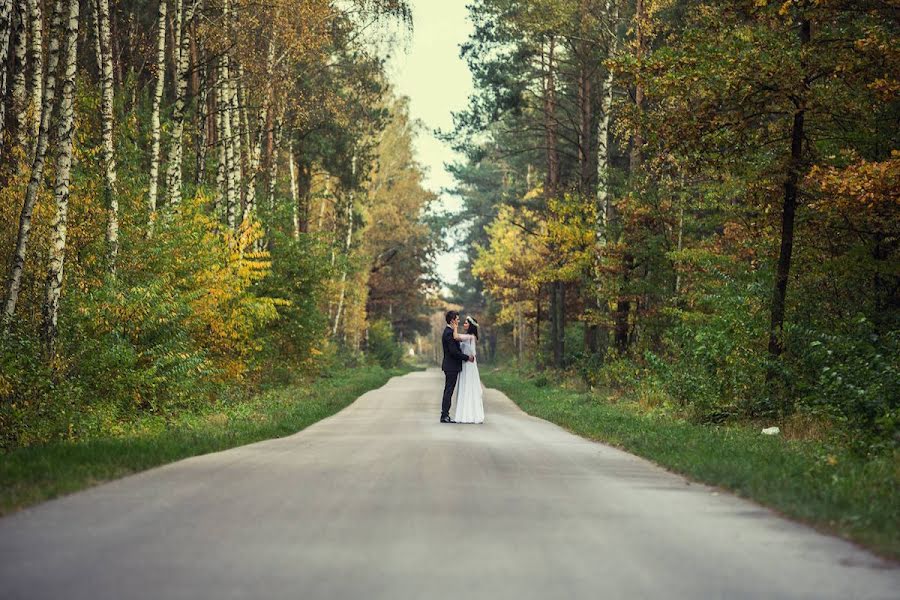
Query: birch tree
{"points": [[110, 193], [611, 13], [37, 65], [64, 137], [5, 37], [19, 88], [348, 240], [295, 192], [176, 149], [37, 170], [225, 109], [154, 116]]}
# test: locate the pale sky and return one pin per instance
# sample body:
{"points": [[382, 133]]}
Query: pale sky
{"points": [[437, 82]]}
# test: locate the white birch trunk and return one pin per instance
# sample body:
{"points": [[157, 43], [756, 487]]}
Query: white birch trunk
{"points": [[220, 144], [203, 131], [95, 21], [5, 37], [176, 150], [321, 222], [347, 243], [262, 118], [110, 192], [228, 143], [273, 173], [250, 191], [680, 242], [37, 171], [295, 192], [273, 163], [65, 131], [154, 117], [37, 67], [603, 159], [19, 91], [234, 122]]}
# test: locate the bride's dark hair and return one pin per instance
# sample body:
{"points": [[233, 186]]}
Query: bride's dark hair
{"points": [[473, 326]]}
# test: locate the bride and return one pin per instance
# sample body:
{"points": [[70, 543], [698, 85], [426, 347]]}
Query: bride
{"points": [[469, 407]]}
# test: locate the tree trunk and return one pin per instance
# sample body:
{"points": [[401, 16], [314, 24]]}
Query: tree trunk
{"points": [[558, 321], [637, 140], [635, 160], [154, 116], [248, 192], [551, 135], [272, 177], [6, 25], [37, 170], [295, 191], [623, 307], [680, 243], [183, 20], [585, 105], [19, 90], [204, 126], [603, 206], [264, 130], [37, 68], [110, 192], [234, 116], [219, 201], [98, 53], [551, 126], [603, 158], [64, 137], [783, 266], [225, 108], [347, 243]]}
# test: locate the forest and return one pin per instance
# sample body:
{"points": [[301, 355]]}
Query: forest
{"points": [[692, 203], [689, 203], [199, 196]]}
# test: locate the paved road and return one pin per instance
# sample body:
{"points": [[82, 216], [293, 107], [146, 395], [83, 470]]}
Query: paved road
{"points": [[382, 501]]}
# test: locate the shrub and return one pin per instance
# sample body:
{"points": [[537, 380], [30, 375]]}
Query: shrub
{"points": [[854, 378], [382, 345]]}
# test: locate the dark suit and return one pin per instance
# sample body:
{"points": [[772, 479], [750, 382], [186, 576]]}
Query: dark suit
{"points": [[452, 365]]}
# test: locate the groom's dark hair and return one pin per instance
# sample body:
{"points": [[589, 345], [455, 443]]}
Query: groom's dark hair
{"points": [[451, 314]]}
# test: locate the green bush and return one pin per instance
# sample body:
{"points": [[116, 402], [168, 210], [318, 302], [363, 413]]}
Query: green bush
{"points": [[853, 377], [382, 345], [715, 356]]}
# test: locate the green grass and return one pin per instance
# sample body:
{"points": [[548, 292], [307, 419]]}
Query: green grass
{"points": [[34, 474], [827, 487]]}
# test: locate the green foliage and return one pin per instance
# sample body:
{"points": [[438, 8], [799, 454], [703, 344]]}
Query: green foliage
{"points": [[853, 378], [716, 357], [677, 275], [300, 269], [33, 474], [382, 345]]}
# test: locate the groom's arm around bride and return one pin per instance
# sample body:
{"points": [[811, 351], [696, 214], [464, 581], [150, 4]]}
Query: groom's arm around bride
{"points": [[454, 357]]}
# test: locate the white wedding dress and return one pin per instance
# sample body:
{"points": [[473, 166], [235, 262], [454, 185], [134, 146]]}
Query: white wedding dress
{"points": [[469, 406]]}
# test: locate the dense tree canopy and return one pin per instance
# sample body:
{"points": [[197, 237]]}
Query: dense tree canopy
{"points": [[704, 191], [197, 194]]}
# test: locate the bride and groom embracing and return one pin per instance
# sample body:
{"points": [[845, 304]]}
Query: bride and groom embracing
{"points": [[461, 370]]}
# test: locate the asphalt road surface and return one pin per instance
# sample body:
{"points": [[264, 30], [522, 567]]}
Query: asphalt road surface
{"points": [[382, 501]]}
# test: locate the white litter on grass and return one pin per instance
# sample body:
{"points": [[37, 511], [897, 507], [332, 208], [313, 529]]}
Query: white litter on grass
{"points": [[771, 431]]}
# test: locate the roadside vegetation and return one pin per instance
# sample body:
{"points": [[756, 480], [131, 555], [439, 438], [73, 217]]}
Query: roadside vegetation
{"points": [[806, 474], [34, 474]]}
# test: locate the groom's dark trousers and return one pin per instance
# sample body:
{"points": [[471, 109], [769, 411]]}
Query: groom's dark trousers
{"points": [[452, 365]]}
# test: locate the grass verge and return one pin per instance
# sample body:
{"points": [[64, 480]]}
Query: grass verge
{"points": [[34, 474], [827, 487]]}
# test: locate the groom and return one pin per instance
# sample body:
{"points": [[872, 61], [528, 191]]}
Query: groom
{"points": [[452, 364]]}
